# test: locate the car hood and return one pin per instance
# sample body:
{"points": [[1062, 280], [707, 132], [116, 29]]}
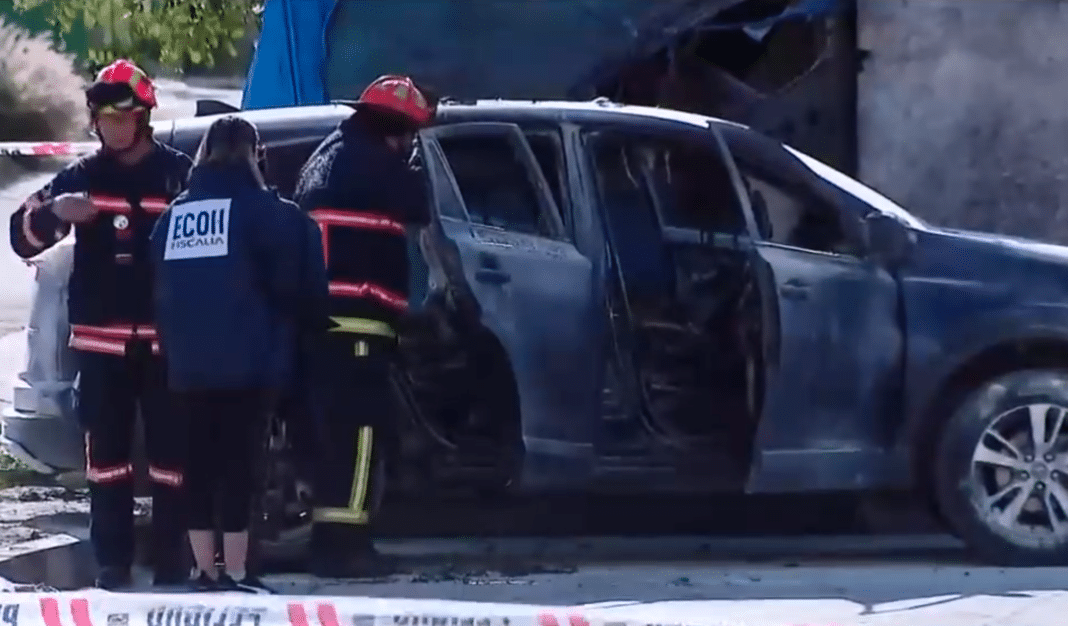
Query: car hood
{"points": [[1018, 245], [508, 49]]}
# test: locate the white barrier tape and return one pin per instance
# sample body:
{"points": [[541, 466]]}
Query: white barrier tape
{"points": [[47, 148], [101, 608]]}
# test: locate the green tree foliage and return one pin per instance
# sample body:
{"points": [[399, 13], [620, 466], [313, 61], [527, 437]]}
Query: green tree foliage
{"points": [[170, 33]]}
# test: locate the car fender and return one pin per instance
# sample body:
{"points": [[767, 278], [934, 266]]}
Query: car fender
{"points": [[971, 337]]}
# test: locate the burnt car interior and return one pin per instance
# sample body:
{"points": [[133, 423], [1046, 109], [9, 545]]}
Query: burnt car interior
{"points": [[679, 298]]}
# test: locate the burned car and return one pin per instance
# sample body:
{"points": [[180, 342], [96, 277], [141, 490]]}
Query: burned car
{"points": [[615, 297]]}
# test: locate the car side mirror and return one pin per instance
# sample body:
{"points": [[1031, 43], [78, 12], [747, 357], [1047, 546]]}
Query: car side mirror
{"points": [[888, 239]]}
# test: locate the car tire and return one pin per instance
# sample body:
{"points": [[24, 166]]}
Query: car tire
{"points": [[957, 488]]}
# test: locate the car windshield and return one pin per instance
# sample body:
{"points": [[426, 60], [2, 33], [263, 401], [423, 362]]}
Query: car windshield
{"points": [[868, 195]]}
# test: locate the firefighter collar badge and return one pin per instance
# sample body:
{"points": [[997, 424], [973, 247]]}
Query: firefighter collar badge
{"points": [[198, 230]]}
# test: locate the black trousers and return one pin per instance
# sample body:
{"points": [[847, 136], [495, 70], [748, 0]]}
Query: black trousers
{"points": [[112, 391], [356, 410], [225, 432]]}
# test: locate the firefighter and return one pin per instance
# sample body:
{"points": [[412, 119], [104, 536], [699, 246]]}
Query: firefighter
{"points": [[361, 190], [237, 244], [112, 199]]}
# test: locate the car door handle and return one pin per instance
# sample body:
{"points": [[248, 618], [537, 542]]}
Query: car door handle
{"points": [[794, 289], [492, 276]]}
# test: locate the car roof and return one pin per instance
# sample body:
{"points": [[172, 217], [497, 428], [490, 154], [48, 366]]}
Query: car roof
{"points": [[318, 115]]}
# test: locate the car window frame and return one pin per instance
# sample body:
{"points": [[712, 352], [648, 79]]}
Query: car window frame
{"points": [[516, 134], [564, 205], [747, 147], [675, 131]]}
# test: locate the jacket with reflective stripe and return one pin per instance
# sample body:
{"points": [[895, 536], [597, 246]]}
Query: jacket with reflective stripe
{"points": [[363, 195], [228, 311], [110, 285]]}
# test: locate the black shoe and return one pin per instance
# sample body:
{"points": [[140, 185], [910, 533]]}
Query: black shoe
{"points": [[203, 582], [225, 583], [112, 577]]}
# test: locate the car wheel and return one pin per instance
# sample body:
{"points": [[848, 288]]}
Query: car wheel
{"points": [[1001, 469]]}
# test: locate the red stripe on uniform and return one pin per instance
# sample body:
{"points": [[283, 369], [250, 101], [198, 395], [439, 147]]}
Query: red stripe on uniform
{"points": [[110, 204], [116, 331], [27, 230], [50, 612], [357, 219], [100, 346], [368, 290], [155, 205], [328, 615], [110, 474], [297, 615], [79, 609], [165, 477]]}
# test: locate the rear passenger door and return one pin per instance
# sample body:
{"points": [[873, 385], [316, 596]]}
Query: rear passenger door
{"points": [[502, 238]]}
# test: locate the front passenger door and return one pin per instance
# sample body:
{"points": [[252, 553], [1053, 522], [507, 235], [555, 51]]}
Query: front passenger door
{"points": [[501, 235]]}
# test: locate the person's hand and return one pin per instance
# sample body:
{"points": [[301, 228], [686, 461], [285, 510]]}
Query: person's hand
{"points": [[74, 208]]}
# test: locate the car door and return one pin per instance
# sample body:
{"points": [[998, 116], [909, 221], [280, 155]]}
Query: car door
{"points": [[832, 336], [499, 235]]}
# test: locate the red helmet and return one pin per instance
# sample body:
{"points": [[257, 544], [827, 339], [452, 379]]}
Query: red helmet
{"points": [[398, 95], [121, 86]]}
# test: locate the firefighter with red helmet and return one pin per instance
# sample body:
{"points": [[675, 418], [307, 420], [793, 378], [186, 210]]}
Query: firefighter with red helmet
{"points": [[111, 199], [360, 189]]}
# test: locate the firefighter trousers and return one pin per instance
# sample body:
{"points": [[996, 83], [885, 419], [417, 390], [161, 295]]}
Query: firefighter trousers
{"points": [[112, 392], [356, 411]]}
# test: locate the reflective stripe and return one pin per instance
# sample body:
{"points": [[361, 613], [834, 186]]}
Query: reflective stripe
{"points": [[356, 513], [109, 204], [112, 204], [357, 219], [362, 326], [331, 515], [122, 331], [155, 205], [100, 346], [112, 474], [165, 477], [326, 218], [361, 349], [109, 339], [364, 290], [27, 230], [361, 473]]}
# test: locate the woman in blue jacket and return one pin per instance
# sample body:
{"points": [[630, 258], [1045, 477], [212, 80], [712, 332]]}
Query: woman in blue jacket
{"points": [[230, 263]]}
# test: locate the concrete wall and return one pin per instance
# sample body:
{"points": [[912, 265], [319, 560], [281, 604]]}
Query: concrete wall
{"points": [[963, 111]]}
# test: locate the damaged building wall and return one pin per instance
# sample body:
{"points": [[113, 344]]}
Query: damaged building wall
{"points": [[963, 111]]}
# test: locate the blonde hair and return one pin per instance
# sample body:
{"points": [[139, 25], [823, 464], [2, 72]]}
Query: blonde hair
{"points": [[231, 140]]}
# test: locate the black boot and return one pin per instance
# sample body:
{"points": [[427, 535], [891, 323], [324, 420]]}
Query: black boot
{"points": [[113, 577]]}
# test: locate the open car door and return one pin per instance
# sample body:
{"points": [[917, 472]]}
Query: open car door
{"points": [[503, 252], [833, 344]]}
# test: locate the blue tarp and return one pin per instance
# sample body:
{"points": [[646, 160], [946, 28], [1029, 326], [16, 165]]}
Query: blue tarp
{"points": [[314, 51]]}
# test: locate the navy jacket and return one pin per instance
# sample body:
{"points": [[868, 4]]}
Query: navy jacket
{"points": [[110, 293], [230, 263], [364, 197]]}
